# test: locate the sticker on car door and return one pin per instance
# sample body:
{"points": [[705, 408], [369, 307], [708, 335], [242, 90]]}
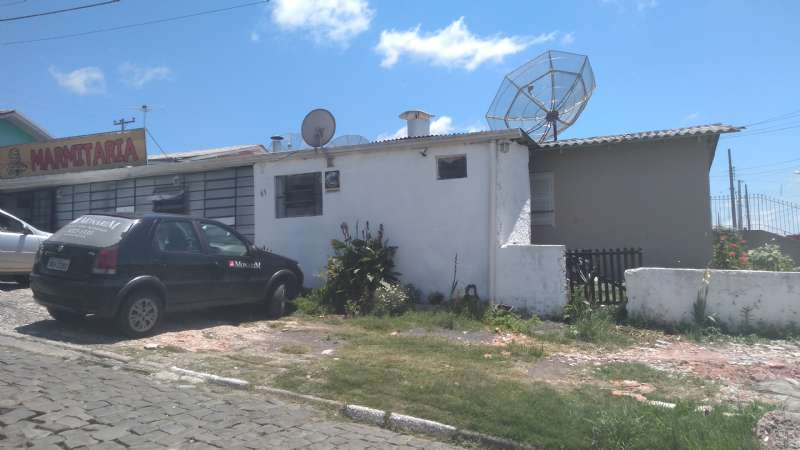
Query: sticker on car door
{"points": [[233, 264]]}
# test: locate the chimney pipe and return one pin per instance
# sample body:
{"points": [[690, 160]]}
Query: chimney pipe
{"points": [[277, 145], [418, 123]]}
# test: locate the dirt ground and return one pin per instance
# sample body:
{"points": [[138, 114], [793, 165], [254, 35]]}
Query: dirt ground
{"points": [[238, 341]]}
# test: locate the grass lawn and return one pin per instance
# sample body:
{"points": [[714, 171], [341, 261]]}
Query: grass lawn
{"points": [[486, 388]]}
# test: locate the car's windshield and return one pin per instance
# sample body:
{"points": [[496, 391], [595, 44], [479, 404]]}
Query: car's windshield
{"points": [[94, 230]]}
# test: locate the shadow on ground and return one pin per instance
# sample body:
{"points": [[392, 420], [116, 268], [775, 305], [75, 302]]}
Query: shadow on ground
{"points": [[96, 331]]}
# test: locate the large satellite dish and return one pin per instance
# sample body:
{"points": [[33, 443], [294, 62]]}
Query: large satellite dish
{"points": [[318, 127], [544, 96], [349, 139]]}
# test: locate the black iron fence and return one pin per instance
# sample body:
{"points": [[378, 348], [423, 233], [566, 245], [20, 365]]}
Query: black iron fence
{"points": [[756, 212], [600, 274]]}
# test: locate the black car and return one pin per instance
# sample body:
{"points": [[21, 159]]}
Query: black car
{"points": [[134, 269]]}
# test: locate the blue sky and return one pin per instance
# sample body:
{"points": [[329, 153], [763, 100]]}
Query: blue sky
{"points": [[241, 76]]}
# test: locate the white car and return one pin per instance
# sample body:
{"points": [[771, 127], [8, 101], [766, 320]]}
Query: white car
{"points": [[19, 242]]}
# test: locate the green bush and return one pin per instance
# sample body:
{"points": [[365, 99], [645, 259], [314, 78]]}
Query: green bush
{"points": [[315, 302], [729, 251], [414, 294], [504, 319], [357, 268], [594, 325], [435, 298], [770, 257], [390, 300], [469, 304]]}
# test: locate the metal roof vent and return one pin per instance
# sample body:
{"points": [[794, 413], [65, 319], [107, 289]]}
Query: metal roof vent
{"points": [[418, 123]]}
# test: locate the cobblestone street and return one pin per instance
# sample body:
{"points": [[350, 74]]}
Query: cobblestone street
{"points": [[55, 402]]}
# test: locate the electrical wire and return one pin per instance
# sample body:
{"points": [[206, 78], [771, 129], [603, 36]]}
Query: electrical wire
{"points": [[147, 130], [134, 25], [58, 11]]}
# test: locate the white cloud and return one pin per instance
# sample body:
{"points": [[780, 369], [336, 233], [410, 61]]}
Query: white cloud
{"points": [[568, 39], [440, 125], [327, 20], [641, 5], [137, 76], [691, 117], [625, 5], [254, 37], [84, 81], [452, 46]]}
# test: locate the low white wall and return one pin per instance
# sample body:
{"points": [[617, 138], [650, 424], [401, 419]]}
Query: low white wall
{"points": [[532, 277], [667, 296]]}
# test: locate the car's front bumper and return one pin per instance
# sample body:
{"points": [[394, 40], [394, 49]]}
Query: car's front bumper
{"points": [[91, 296]]}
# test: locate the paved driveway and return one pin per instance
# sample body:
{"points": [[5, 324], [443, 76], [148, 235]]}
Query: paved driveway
{"points": [[55, 398]]}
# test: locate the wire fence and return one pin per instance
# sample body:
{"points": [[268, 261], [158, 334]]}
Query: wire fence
{"points": [[756, 212]]}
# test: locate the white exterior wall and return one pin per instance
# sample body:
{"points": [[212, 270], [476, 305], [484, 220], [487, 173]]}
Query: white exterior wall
{"points": [[484, 218], [429, 220], [667, 296]]}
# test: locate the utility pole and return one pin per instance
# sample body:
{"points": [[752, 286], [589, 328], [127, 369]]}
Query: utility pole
{"points": [[122, 122], [145, 109], [747, 205], [739, 205], [733, 196]]}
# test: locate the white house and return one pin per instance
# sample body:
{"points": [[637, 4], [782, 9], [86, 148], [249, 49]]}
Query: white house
{"points": [[437, 197]]}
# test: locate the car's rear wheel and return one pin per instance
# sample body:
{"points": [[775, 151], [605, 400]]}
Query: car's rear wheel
{"points": [[140, 314], [65, 316], [283, 292]]}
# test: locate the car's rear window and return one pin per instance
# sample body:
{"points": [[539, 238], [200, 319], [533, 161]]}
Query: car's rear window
{"points": [[94, 231]]}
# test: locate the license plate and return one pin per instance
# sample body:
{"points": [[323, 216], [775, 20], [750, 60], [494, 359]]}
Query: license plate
{"points": [[61, 264]]}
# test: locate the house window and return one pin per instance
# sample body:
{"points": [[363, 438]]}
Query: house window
{"points": [[543, 199], [298, 195], [449, 167]]}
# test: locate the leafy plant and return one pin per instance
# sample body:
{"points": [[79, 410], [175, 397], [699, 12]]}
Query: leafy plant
{"points": [[435, 298], [469, 304], [729, 251], [414, 294], [770, 257], [315, 302], [498, 316], [357, 268], [700, 305], [391, 300]]}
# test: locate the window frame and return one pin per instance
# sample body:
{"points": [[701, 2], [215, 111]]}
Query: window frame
{"points": [[440, 158], [551, 222], [281, 194], [154, 240], [247, 244]]}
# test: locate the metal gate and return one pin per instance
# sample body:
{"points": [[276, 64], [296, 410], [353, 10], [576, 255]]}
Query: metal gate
{"points": [[599, 275]]}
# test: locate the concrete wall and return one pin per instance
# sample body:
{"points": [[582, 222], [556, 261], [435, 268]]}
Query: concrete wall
{"points": [[533, 278], [11, 135], [757, 238], [429, 220], [484, 218], [667, 296], [653, 195]]}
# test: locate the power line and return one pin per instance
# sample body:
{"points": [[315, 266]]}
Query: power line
{"points": [[775, 119], [147, 130], [58, 11], [764, 131], [134, 25]]}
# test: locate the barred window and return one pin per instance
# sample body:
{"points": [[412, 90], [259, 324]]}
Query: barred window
{"points": [[298, 195]]}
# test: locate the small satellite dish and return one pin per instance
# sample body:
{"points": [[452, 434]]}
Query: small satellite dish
{"points": [[349, 139], [318, 127], [544, 96]]}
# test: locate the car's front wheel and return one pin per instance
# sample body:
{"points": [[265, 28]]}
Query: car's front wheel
{"points": [[140, 314], [282, 293], [64, 316]]}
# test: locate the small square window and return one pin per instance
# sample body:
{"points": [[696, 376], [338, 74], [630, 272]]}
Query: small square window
{"points": [[298, 195], [449, 167]]}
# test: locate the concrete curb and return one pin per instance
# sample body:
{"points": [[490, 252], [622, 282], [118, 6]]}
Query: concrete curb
{"points": [[211, 378], [416, 425], [321, 402], [76, 348]]}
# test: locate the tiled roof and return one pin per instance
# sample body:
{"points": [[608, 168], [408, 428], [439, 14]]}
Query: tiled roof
{"points": [[699, 130]]}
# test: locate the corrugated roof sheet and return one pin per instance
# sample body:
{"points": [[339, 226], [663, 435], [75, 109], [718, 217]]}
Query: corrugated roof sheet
{"points": [[699, 130], [221, 152]]}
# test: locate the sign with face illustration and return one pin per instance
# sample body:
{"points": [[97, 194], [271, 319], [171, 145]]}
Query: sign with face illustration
{"points": [[74, 154]]}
